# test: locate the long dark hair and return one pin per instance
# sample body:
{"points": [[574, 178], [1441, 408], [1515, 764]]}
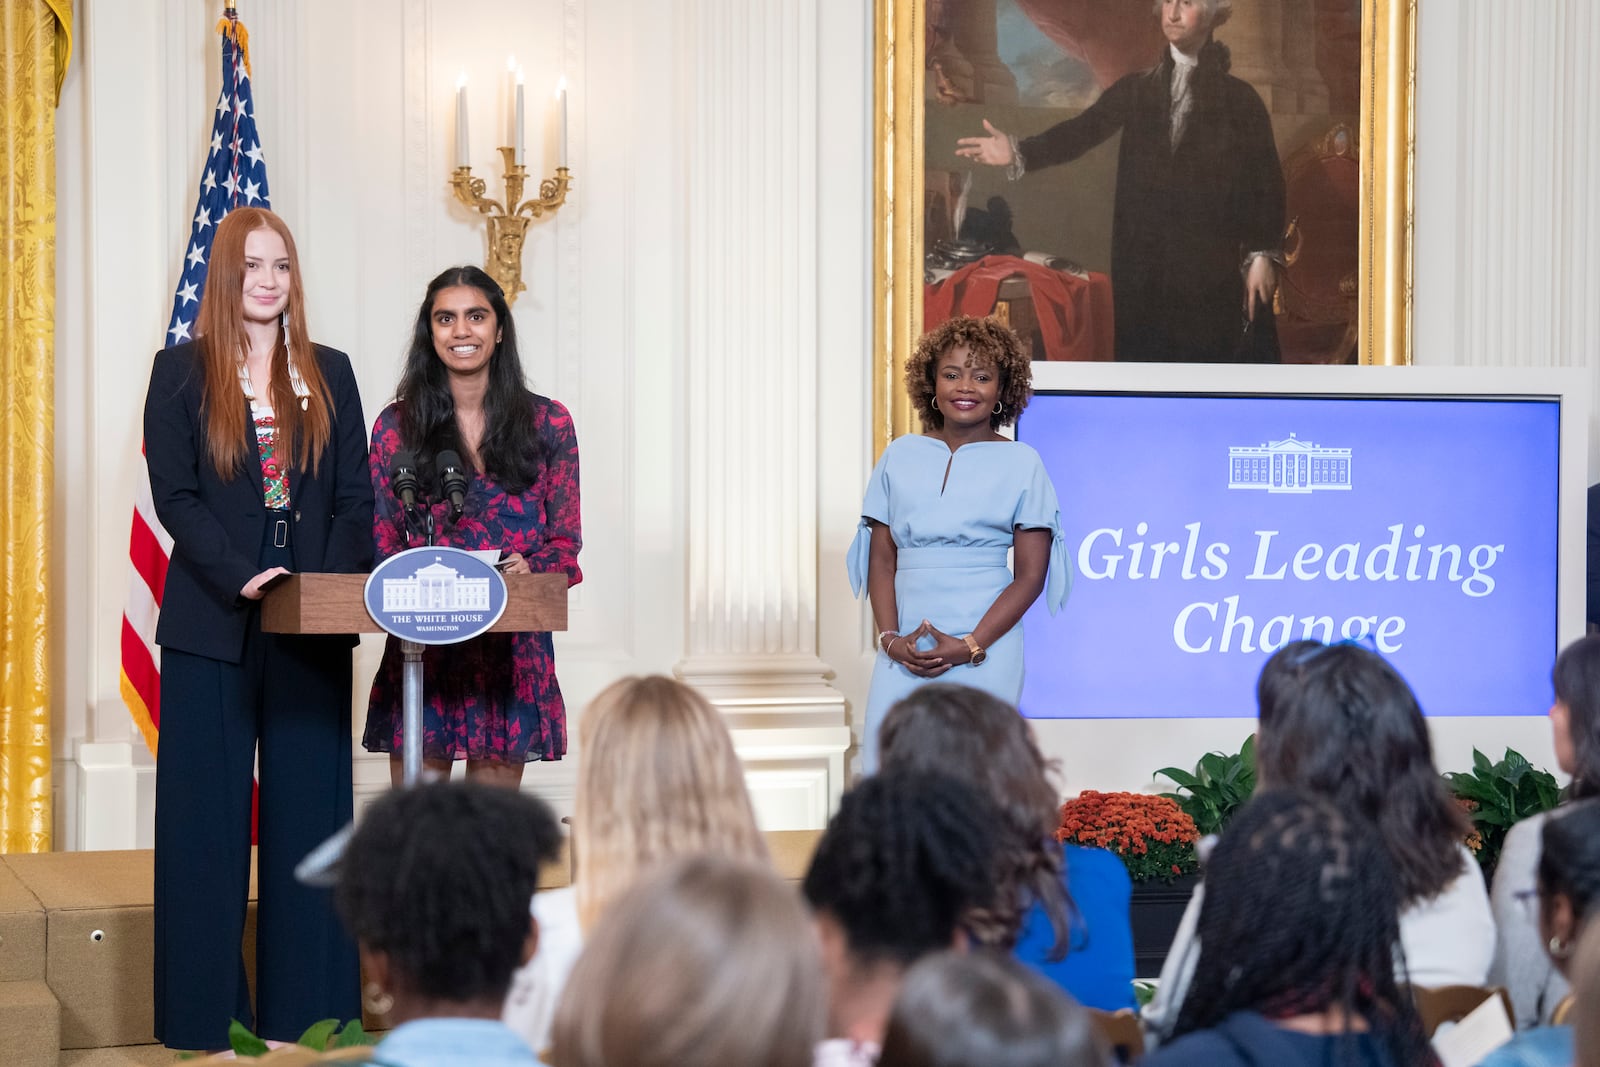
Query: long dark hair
{"points": [[1576, 678], [1301, 913], [982, 740], [1339, 722], [510, 451]]}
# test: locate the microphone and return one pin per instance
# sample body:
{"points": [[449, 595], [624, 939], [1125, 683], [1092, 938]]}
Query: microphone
{"points": [[453, 480], [404, 481]]}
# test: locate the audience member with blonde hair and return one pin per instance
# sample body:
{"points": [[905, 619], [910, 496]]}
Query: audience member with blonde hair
{"points": [[712, 962], [658, 780]]}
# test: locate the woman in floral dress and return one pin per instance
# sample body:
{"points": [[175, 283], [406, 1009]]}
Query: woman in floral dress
{"points": [[494, 700]]}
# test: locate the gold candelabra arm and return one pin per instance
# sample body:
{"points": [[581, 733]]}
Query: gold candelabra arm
{"points": [[470, 190], [552, 194]]}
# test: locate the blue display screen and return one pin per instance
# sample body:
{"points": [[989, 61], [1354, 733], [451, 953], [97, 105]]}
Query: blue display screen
{"points": [[1207, 531]]}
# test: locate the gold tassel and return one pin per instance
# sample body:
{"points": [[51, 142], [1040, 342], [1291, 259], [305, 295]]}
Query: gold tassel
{"points": [[234, 30]]}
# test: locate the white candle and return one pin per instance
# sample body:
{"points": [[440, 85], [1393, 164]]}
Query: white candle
{"points": [[463, 156], [561, 95], [520, 139]]}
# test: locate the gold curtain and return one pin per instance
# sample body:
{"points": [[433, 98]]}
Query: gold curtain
{"points": [[35, 43]]}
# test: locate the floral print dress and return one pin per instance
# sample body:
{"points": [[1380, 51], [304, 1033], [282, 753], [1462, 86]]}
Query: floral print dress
{"points": [[494, 697]]}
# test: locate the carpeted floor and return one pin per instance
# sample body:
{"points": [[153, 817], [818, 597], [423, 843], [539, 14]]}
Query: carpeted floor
{"points": [[122, 1056]]}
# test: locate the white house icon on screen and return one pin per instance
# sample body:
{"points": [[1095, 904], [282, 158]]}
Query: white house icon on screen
{"points": [[436, 588], [1288, 466]]}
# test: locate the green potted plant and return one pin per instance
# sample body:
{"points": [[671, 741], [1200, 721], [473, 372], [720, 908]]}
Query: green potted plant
{"points": [[1217, 787], [324, 1036], [1499, 795]]}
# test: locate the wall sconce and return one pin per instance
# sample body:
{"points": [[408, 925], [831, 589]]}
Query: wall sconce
{"points": [[508, 219]]}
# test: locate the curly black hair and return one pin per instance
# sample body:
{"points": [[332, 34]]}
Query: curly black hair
{"points": [[438, 878], [907, 856], [990, 344], [1302, 914]]}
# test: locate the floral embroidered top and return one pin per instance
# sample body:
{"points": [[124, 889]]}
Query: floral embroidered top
{"points": [[495, 697], [274, 475], [274, 472]]}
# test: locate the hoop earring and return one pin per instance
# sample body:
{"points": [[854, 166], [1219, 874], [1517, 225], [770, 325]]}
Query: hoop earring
{"points": [[998, 407], [933, 405], [1560, 949], [375, 1000]]}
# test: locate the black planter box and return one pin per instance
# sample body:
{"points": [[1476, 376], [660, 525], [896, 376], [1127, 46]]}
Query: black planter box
{"points": [[1155, 912]]}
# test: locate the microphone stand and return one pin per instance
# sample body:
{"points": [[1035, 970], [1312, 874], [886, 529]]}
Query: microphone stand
{"points": [[411, 674]]}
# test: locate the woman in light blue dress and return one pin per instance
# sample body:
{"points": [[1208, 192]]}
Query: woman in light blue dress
{"points": [[942, 510]]}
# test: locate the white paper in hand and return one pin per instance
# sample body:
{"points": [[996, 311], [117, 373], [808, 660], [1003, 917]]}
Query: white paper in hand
{"points": [[1484, 1029]]}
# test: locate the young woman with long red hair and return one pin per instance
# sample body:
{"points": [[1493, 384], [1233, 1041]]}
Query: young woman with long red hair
{"points": [[257, 452]]}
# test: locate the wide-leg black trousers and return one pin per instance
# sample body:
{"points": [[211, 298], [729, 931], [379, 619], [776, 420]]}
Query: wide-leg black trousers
{"points": [[291, 696]]}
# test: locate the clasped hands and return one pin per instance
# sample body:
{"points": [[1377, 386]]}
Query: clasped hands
{"points": [[946, 652]]}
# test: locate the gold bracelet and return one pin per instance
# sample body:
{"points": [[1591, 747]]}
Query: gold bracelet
{"points": [[891, 634]]}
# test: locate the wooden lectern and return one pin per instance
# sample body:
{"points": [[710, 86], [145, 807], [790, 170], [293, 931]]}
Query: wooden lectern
{"points": [[336, 604], [333, 604]]}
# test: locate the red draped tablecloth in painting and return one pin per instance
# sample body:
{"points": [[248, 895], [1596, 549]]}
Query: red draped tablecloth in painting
{"points": [[1073, 312]]}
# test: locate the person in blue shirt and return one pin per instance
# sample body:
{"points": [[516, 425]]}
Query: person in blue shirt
{"points": [[1063, 912], [434, 886]]}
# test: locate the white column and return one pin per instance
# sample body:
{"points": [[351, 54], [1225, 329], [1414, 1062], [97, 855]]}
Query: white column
{"points": [[751, 158], [1508, 231]]}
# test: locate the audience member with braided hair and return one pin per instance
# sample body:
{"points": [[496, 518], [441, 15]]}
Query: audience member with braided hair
{"points": [[434, 886], [1062, 910], [984, 1010], [711, 962], [1520, 962], [1296, 947], [907, 856], [1339, 722], [1569, 896], [659, 780]]}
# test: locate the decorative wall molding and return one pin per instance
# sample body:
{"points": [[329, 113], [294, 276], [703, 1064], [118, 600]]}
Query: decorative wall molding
{"points": [[750, 126]]}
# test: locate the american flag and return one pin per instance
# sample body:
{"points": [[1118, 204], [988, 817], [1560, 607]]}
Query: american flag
{"points": [[234, 175]]}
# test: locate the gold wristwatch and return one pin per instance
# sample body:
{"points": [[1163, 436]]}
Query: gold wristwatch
{"points": [[978, 653]]}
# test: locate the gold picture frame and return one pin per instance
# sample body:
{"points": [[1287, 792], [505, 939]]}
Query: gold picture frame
{"points": [[1386, 137]]}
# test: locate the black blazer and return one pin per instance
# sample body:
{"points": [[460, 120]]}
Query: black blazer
{"points": [[216, 525]]}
